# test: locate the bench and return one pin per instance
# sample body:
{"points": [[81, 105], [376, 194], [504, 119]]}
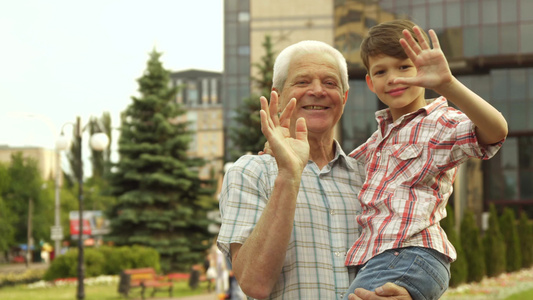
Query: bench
{"points": [[144, 278]]}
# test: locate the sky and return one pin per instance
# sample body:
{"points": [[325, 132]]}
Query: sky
{"points": [[60, 59]]}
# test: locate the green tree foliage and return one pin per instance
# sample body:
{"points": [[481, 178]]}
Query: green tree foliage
{"points": [[458, 268], [159, 195], [25, 184], [101, 160], [508, 225], [7, 231], [495, 257], [525, 233], [247, 135], [473, 247]]}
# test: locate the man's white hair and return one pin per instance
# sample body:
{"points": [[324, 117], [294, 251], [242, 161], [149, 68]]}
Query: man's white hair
{"points": [[281, 65]]}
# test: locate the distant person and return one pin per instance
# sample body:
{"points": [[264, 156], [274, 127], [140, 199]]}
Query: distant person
{"points": [[412, 159]]}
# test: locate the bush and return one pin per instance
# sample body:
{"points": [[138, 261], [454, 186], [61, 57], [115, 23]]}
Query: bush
{"points": [[495, 257], [525, 234], [458, 268], [473, 247], [28, 276], [508, 225], [103, 261]]}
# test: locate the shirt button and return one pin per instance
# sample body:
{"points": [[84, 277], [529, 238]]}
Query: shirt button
{"points": [[378, 154], [342, 295], [332, 212], [337, 254]]}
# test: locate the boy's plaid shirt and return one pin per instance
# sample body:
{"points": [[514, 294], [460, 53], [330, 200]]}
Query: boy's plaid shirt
{"points": [[410, 172]]}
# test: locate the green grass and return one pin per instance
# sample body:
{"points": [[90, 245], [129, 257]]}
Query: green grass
{"points": [[521, 296], [95, 292]]}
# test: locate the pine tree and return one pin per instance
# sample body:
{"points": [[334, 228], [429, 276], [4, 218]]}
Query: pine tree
{"points": [[495, 258], [160, 199], [525, 232], [473, 247], [458, 268], [511, 239], [247, 135]]}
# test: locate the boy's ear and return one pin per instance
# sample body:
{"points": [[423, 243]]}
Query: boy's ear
{"points": [[370, 83]]}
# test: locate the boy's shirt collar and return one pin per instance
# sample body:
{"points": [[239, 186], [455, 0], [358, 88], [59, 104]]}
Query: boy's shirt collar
{"points": [[384, 116]]}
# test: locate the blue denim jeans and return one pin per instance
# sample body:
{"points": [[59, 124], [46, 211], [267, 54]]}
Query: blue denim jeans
{"points": [[424, 272]]}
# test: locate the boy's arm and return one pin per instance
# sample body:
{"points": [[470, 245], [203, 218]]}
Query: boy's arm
{"points": [[434, 73]]}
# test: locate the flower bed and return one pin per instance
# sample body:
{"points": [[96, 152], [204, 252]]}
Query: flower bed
{"points": [[493, 288]]}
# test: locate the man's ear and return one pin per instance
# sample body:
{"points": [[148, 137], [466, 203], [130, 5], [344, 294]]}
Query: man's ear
{"points": [[345, 97], [370, 83]]}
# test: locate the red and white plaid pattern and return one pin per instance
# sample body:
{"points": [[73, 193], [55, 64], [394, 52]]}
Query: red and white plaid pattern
{"points": [[410, 172]]}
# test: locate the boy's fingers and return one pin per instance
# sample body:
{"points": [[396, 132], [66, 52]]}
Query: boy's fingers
{"points": [[415, 47], [421, 40], [434, 39], [408, 50]]}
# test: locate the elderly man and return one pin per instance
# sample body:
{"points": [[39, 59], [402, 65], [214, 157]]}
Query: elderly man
{"points": [[288, 221]]}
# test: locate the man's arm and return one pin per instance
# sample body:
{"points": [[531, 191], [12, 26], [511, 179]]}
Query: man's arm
{"points": [[258, 262], [433, 72]]}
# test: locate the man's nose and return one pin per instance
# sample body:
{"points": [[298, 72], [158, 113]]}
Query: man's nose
{"points": [[317, 89]]}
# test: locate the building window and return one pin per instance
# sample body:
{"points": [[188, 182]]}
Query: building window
{"points": [[192, 93], [214, 91], [205, 91], [179, 94], [509, 174], [244, 16]]}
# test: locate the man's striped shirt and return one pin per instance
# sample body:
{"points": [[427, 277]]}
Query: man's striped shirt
{"points": [[324, 223]]}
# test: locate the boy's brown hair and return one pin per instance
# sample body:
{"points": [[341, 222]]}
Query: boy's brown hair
{"points": [[384, 39]]}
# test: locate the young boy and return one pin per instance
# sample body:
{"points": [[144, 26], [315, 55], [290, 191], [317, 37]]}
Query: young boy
{"points": [[411, 160]]}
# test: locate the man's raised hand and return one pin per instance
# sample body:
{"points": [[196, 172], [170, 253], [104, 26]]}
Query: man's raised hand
{"points": [[291, 153]]}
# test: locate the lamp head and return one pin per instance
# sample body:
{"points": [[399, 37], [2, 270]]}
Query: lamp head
{"points": [[99, 141]]}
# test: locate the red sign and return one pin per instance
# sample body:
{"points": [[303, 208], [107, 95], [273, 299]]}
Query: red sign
{"points": [[75, 227]]}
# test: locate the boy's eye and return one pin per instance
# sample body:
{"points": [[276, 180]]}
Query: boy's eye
{"points": [[379, 72]]}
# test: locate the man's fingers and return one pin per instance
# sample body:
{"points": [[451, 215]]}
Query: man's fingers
{"points": [[285, 118], [274, 107], [301, 130]]}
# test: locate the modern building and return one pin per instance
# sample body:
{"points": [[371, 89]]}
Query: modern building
{"points": [[46, 159], [246, 22], [489, 46], [200, 96]]}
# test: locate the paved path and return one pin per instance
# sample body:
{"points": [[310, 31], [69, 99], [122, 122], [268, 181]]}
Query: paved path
{"points": [[211, 296], [20, 268]]}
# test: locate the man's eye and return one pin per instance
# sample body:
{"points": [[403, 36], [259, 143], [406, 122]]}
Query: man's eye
{"points": [[404, 67]]}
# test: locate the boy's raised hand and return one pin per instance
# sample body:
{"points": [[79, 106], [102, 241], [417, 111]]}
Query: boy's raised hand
{"points": [[432, 67], [291, 153]]}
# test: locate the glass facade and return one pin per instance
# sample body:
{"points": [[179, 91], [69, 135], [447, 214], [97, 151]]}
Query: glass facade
{"points": [[489, 45], [236, 78]]}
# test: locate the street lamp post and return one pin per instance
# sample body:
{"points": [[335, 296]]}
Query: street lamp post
{"points": [[98, 142]]}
